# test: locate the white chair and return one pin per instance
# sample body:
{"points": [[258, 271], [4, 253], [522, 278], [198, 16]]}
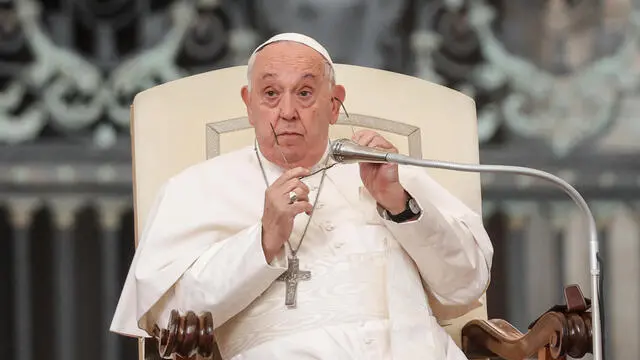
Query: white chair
{"points": [[178, 124]]}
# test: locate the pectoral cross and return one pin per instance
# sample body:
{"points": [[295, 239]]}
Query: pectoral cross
{"points": [[291, 277]]}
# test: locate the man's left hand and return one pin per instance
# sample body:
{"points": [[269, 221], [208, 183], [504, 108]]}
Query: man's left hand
{"points": [[381, 180]]}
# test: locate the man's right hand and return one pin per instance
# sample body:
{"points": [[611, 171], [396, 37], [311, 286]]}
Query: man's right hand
{"points": [[278, 215]]}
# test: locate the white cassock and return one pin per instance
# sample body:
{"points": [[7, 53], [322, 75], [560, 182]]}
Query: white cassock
{"points": [[201, 250]]}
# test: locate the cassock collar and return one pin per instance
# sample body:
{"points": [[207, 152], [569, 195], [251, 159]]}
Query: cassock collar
{"points": [[274, 170]]}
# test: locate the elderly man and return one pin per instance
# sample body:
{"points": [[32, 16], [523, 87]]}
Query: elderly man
{"points": [[299, 259]]}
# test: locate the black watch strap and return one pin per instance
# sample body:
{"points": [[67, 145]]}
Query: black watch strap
{"points": [[411, 210]]}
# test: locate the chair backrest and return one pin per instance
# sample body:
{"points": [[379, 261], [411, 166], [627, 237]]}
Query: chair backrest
{"points": [[180, 123]]}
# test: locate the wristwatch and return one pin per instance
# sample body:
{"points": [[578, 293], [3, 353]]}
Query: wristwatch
{"points": [[411, 210]]}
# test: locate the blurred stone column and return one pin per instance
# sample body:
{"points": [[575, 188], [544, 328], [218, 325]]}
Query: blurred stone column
{"points": [[63, 214], [542, 263], [621, 284], [21, 212], [110, 213], [575, 262], [518, 222], [576, 248], [575, 251], [497, 298]]}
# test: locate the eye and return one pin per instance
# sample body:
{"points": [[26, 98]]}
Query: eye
{"points": [[270, 93], [305, 93]]}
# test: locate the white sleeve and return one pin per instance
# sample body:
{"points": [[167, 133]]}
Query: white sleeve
{"points": [[194, 254], [229, 276], [448, 242]]}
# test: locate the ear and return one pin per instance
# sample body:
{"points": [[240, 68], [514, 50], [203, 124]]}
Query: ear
{"points": [[244, 94], [339, 93]]}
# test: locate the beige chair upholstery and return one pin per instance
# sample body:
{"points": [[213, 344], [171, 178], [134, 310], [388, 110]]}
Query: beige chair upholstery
{"points": [[183, 122]]}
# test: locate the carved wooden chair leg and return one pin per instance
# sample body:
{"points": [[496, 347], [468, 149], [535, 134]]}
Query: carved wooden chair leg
{"points": [[186, 337], [561, 331], [545, 354]]}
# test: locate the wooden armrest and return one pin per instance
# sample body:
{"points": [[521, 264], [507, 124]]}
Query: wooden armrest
{"points": [[561, 331]]}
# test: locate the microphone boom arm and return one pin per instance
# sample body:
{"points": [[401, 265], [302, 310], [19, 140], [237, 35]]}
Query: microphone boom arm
{"points": [[570, 190], [346, 151]]}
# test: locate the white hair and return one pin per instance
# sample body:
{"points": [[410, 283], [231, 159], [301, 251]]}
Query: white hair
{"points": [[329, 73]]}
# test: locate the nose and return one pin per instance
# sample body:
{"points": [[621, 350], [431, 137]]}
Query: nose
{"points": [[288, 109]]}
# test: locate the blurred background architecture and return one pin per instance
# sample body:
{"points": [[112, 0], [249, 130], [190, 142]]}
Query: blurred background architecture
{"points": [[557, 86]]}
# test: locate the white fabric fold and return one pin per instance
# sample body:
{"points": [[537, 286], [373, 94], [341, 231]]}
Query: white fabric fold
{"points": [[238, 268], [447, 242]]}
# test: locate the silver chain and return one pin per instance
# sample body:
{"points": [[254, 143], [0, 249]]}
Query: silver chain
{"points": [[264, 175]]}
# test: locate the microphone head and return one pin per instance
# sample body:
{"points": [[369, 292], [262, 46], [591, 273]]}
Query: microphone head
{"points": [[337, 149], [348, 151]]}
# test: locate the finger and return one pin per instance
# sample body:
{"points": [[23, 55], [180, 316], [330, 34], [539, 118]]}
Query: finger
{"points": [[357, 135], [360, 133], [295, 183], [300, 207], [290, 174], [375, 140], [366, 138], [382, 143], [300, 195]]}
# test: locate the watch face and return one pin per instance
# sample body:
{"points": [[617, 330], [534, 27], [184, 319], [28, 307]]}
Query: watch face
{"points": [[413, 206]]}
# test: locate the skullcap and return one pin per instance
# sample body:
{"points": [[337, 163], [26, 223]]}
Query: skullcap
{"points": [[301, 39]]}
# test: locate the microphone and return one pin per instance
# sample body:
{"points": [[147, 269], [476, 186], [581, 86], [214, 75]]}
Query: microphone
{"points": [[347, 151]]}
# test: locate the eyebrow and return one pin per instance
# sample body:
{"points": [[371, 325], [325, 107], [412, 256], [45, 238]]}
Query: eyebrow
{"points": [[305, 76]]}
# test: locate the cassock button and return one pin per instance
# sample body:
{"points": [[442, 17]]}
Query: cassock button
{"points": [[368, 341], [338, 244], [329, 226], [319, 205]]}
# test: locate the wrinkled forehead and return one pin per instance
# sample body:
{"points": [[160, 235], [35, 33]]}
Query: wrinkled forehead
{"points": [[287, 60]]}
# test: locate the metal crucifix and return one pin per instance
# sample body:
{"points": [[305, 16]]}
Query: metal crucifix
{"points": [[291, 278]]}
